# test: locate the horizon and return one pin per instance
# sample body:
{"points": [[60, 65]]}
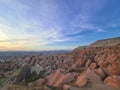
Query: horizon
{"points": [[48, 25], [35, 50]]}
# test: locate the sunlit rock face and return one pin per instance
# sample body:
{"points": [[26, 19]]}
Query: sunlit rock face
{"points": [[113, 81], [56, 79], [94, 57], [104, 61]]}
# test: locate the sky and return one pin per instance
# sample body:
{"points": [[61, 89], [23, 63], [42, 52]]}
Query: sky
{"points": [[27, 25]]}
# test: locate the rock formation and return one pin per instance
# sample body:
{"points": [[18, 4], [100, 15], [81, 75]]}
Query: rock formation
{"points": [[94, 67]]}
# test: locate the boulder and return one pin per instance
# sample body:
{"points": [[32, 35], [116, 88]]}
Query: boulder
{"points": [[88, 63], [81, 81], [114, 69], [37, 68], [66, 87], [54, 77], [40, 82], [100, 62], [67, 78], [93, 77], [113, 81], [101, 73], [58, 79], [93, 66]]}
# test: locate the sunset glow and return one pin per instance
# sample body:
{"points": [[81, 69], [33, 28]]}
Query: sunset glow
{"points": [[56, 24]]}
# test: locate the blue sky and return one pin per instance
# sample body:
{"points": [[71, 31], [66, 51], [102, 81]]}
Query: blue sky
{"points": [[56, 24]]}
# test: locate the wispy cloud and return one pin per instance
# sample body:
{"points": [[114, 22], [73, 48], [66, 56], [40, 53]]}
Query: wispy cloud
{"points": [[38, 23]]}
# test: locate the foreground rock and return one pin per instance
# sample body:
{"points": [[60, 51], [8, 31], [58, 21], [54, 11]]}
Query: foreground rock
{"points": [[113, 81], [114, 68], [81, 81], [88, 76], [101, 73], [93, 77], [57, 79]]}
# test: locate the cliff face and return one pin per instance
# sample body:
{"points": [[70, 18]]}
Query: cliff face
{"points": [[106, 42]]}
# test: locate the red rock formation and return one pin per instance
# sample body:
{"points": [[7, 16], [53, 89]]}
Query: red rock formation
{"points": [[81, 81], [113, 81], [102, 62], [89, 65], [101, 73], [56, 79], [93, 77], [105, 57], [114, 68], [86, 66]]}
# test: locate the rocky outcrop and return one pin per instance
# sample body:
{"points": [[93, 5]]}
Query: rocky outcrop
{"points": [[81, 81], [106, 42], [96, 67], [37, 69], [101, 73], [113, 81], [89, 76], [114, 68], [57, 79], [97, 64], [90, 66], [95, 57]]}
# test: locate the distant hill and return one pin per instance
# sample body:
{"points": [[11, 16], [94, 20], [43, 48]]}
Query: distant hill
{"points": [[103, 42], [80, 47], [22, 53], [106, 42]]}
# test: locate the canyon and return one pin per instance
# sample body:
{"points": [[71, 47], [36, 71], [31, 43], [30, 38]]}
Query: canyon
{"points": [[92, 67]]}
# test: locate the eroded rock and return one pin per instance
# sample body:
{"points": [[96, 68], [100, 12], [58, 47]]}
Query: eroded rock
{"points": [[81, 81], [93, 77], [113, 81]]}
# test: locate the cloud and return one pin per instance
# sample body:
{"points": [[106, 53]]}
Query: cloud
{"points": [[29, 32], [33, 32], [44, 22], [15, 5], [84, 23], [12, 37], [89, 26], [113, 24]]}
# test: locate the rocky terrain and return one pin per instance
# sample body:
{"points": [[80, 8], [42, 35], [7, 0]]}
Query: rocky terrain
{"points": [[106, 42], [93, 67]]}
